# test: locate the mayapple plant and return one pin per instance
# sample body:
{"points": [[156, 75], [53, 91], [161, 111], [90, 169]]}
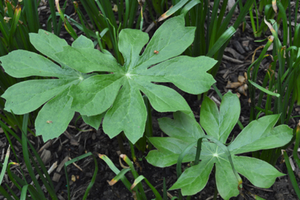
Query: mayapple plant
{"points": [[83, 79], [185, 134]]}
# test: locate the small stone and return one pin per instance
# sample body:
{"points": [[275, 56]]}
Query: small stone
{"points": [[56, 177], [279, 196], [238, 47], [46, 156], [245, 44]]}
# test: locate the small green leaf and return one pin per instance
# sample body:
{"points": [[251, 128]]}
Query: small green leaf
{"points": [[55, 116], [131, 51], [181, 126], [209, 117], [27, 96], [226, 181], [96, 94], [194, 178], [128, 108], [94, 121], [30, 64], [260, 134], [191, 79], [220, 123], [170, 40], [163, 99], [258, 172], [83, 42], [87, 60], [168, 151], [47, 43]]}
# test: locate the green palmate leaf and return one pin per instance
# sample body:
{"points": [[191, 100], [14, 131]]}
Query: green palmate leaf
{"points": [[109, 88], [27, 96], [185, 131], [120, 92]]}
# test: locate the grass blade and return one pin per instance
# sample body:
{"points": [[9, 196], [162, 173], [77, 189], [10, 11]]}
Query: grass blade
{"points": [[67, 176], [4, 166], [263, 89], [32, 15], [291, 174], [27, 157], [139, 179], [221, 41], [89, 187], [115, 170]]}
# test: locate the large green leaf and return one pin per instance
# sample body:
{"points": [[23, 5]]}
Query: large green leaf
{"points": [[121, 90], [27, 96], [184, 131], [96, 83]]}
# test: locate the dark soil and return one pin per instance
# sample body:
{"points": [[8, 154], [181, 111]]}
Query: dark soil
{"points": [[80, 138]]}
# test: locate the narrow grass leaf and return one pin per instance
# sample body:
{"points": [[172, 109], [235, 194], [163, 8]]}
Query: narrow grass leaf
{"points": [[115, 170], [4, 166], [263, 89], [120, 175], [291, 174], [221, 41], [139, 179]]}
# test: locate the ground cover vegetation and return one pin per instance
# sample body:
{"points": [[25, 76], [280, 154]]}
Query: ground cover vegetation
{"points": [[117, 70]]}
